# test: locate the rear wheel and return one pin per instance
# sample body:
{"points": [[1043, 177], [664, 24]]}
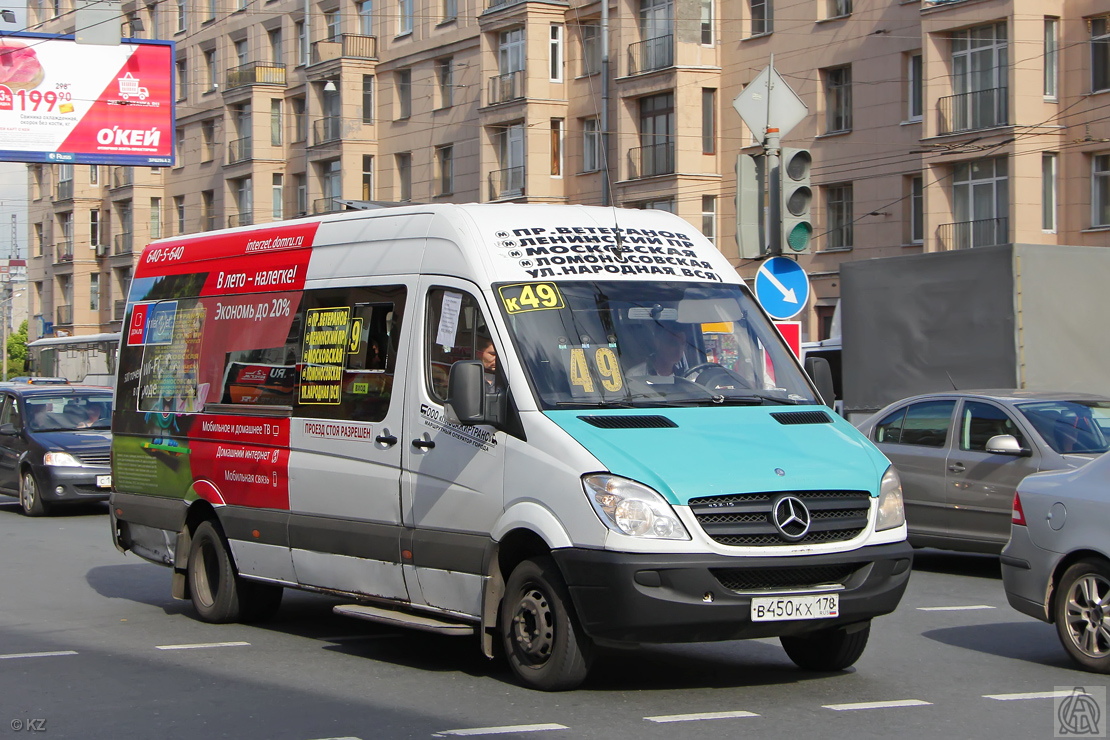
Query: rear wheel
{"points": [[545, 647], [828, 650], [1082, 614], [218, 594], [30, 499]]}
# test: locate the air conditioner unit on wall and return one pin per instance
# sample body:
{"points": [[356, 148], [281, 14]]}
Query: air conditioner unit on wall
{"points": [[101, 250]]}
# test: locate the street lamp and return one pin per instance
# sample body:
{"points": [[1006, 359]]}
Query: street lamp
{"points": [[5, 306]]}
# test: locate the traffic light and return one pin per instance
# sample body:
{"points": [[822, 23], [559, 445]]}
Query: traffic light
{"points": [[797, 200], [750, 233]]}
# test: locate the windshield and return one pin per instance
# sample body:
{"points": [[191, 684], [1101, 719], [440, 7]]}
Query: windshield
{"points": [[1071, 426], [68, 412], [646, 344]]}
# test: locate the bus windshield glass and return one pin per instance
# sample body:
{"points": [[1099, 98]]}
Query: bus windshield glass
{"points": [[633, 344]]}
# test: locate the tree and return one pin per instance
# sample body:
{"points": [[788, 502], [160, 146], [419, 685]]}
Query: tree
{"points": [[17, 351]]}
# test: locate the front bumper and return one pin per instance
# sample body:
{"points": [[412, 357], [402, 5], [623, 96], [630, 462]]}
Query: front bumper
{"points": [[59, 484], [1027, 574], [631, 598]]}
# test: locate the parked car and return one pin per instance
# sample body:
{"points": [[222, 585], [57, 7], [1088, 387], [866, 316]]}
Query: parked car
{"points": [[962, 454], [55, 445], [1056, 566], [38, 380]]}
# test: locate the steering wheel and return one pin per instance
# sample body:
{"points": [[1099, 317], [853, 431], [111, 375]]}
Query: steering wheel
{"points": [[715, 376]]}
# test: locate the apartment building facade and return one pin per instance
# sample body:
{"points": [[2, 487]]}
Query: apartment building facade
{"points": [[934, 125]]}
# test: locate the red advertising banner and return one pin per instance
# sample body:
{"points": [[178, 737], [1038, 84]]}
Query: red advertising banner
{"points": [[86, 104]]}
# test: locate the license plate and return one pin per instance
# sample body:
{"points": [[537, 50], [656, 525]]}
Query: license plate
{"points": [[785, 608], [103, 481]]}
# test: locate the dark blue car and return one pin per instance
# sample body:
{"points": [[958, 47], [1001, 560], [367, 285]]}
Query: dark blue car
{"points": [[55, 445]]}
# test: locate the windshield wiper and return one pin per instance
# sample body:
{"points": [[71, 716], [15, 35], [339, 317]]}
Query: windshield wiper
{"points": [[598, 404]]}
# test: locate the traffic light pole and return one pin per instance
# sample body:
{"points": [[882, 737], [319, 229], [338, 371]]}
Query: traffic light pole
{"points": [[771, 152]]}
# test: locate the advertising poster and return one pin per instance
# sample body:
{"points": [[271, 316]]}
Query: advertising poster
{"points": [[61, 101]]}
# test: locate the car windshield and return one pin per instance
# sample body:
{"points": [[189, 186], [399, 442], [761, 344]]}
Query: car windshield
{"points": [[68, 412], [1071, 426], [630, 344]]}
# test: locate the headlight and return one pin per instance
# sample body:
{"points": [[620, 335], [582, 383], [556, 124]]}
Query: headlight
{"points": [[891, 512], [61, 459], [632, 508]]}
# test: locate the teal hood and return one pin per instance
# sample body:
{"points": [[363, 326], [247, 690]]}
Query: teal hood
{"points": [[712, 451]]}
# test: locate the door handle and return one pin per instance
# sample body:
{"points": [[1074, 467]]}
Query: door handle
{"points": [[424, 444], [386, 439], [956, 467]]}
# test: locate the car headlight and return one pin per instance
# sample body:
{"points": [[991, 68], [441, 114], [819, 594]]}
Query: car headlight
{"points": [[61, 460], [891, 512], [632, 508]]}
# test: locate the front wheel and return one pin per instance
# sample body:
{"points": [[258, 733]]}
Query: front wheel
{"points": [[827, 650], [1082, 614], [30, 498], [546, 648], [218, 594]]}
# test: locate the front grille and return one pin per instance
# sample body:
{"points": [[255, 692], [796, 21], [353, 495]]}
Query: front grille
{"points": [[744, 520], [629, 422], [99, 460], [738, 579]]}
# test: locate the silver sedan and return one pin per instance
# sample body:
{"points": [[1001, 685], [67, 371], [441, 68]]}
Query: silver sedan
{"points": [[1056, 566]]}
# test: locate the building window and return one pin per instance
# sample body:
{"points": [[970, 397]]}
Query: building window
{"points": [[980, 203], [980, 80], [591, 145], [510, 51], [1100, 190], [155, 218], [277, 48], [508, 181], [1100, 54], [709, 217], [368, 98], [762, 18], [366, 18], [404, 176], [211, 10], [915, 87], [707, 22], [300, 119], [179, 147], [404, 93], [181, 15], [275, 121], [278, 196], [445, 81], [94, 228], [94, 174], [838, 212], [556, 147], [404, 17], [657, 135], [368, 177], [302, 43], [244, 200], [242, 51], [332, 24], [708, 120], [591, 48], [301, 191], [182, 79], [210, 78], [445, 160], [331, 175], [1048, 191], [208, 210], [94, 291], [917, 209], [838, 99], [1051, 56], [555, 52], [665, 204], [179, 210], [839, 8]]}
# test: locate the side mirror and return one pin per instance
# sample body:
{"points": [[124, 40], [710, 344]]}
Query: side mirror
{"points": [[8, 430], [1007, 444], [817, 368], [466, 393]]}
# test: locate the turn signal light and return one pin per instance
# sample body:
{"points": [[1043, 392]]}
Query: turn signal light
{"points": [[1017, 516]]}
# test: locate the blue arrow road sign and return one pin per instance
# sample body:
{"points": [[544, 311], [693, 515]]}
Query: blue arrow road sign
{"points": [[782, 288]]}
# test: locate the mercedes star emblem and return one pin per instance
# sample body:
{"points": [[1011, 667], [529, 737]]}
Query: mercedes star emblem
{"points": [[791, 517]]}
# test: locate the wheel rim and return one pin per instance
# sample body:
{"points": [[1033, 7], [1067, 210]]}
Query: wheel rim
{"points": [[533, 627], [27, 493], [1087, 615], [206, 573]]}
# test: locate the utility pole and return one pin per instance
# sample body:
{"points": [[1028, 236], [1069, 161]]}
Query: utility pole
{"points": [[605, 184]]}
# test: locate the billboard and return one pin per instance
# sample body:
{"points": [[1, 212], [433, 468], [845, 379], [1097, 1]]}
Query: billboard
{"points": [[86, 104]]}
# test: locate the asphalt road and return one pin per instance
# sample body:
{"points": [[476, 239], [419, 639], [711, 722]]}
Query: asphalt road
{"points": [[93, 646]]}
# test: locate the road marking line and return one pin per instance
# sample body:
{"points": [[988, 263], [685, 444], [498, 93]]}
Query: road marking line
{"points": [[200, 645], [879, 705], [338, 738], [38, 655], [1030, 695], [500, 730], [701, 716], [971, 608]]}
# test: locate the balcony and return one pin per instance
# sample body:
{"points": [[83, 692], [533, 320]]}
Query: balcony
{"points": [[63, 251], [119, 308], [123, 177], [326, 130], [122, 243], [327, 205], [502, 3], [652, 54], [973, 111], [988, 232], [347, 46], [64, 191], [64, 315], [504, 88], [255, 73], [506, 183], [240, 219], [651, 160], [239, 150]]}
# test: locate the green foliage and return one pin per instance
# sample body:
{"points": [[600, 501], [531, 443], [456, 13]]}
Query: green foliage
{"points": [[17, 351]]}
